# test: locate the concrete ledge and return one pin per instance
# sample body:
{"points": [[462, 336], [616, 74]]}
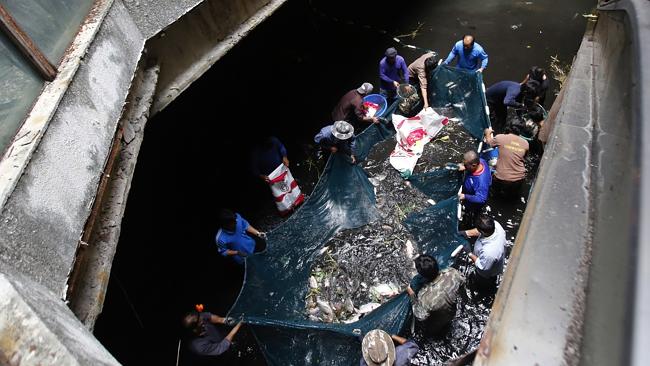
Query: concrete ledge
{"points": [[533, 315], [36, 328], [42, 221], [212, 35]]}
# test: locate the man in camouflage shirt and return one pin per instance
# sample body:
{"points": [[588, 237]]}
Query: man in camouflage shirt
{"points": [[434, 306]]}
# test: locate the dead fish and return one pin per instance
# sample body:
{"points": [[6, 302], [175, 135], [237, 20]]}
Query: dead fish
{"points": [[352, 319], [366, 308], [314, 318], [349, 306], [409, 249], [385, 290], [312, 283], [374, 181], [325, 308]]}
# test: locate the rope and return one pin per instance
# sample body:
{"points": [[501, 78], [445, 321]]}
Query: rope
{"points": [[394, 38]]}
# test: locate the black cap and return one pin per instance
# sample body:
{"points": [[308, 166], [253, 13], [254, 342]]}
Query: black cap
{"points": [[391, 52]]}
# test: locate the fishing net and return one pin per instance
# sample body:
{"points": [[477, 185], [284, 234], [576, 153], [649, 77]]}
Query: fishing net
{"points": [[272, 299]]}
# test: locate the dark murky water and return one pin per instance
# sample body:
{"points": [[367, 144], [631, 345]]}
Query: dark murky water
{"points": [[283, 79]]}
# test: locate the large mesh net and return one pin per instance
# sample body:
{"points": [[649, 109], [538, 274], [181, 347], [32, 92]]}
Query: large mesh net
{"points": [[272, 299]]}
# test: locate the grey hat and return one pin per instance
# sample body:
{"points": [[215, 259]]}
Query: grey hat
{"points": [[391, 52], [342, 130], [378, 349], [365, 88]]}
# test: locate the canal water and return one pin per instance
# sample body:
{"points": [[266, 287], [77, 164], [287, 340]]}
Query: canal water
{"points": [[283, 79]]}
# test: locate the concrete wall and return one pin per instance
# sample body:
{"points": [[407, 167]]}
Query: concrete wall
{"points": [[60, 224], [42, 221]]}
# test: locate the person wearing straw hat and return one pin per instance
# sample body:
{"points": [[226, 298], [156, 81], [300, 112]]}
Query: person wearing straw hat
{"points": [[377, 349], [392, 73], [338, 137], [351, 109]]}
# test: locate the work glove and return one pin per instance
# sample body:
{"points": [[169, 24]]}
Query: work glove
{"points": [[262, 235], [230, 321]]}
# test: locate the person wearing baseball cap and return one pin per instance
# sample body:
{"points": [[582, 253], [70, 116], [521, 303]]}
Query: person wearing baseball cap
{"points": [[338, 137], [350, 108], [378, 349], [392, 72]]}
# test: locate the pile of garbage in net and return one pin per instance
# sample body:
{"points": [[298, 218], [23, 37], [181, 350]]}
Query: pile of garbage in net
{"points": [[346, 251]]}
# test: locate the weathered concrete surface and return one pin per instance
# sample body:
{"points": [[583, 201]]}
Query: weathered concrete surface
{"points": [[41, 223], [152, 16], [36, 328], [96, 259], [214, 27]]}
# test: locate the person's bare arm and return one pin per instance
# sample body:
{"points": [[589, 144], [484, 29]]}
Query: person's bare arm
{"points": [[489, 136], [399, 339], [251, 230], [216, 319], [231, 252], [472, 257], [472, 233], [285, 161], [410, 291], [424, 96], [233, 332]]}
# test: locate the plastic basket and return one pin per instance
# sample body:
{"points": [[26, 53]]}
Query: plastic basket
{"points": [[379, 100], [405, 90]]}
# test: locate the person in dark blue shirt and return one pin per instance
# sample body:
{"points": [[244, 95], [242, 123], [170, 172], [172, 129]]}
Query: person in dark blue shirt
{"points": [[267, 157], [470, 54], [476, 184], [392, 72], [538, 74], [233, 239], [505, 94]]}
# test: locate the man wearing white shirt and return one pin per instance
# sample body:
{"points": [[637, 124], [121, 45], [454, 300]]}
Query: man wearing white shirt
{"points": [[490, 248]]}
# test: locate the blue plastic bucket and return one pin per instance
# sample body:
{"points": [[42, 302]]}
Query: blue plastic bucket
{"points": [[379, 100], [490, 155]]}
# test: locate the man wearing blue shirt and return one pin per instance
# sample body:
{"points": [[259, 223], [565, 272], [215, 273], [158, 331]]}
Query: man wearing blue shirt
{"points": [[504, 94], [392, 72], [233, 239], [471, 55], [476, 185]]}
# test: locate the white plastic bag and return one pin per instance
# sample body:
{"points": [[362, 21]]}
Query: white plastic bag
{"points": [[412, 135]]}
